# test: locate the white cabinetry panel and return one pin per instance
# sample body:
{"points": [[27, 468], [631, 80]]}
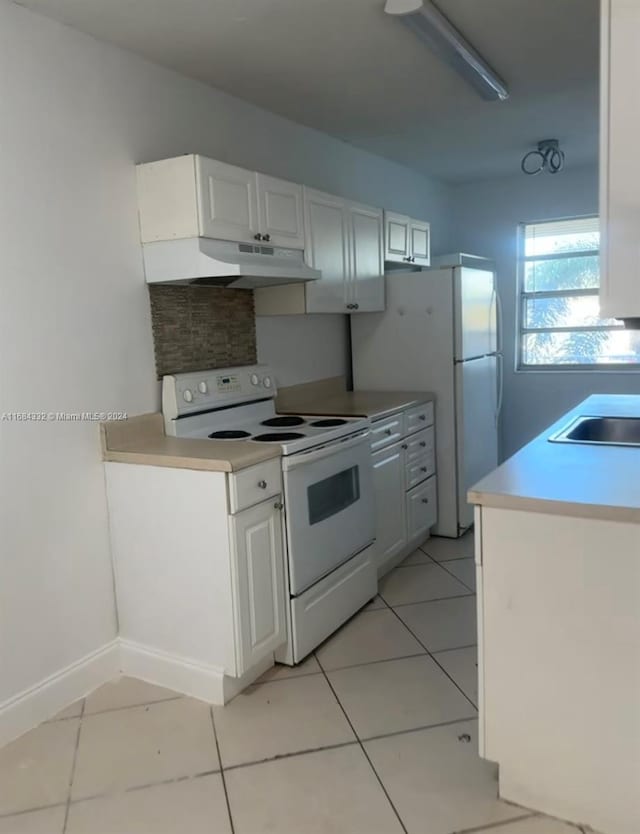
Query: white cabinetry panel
{"points": [[227, 201], [420, 243], [397, 245], [388, 485], [367, 259], [422, 511], [281, 217], [326, 249], [259, 582]]}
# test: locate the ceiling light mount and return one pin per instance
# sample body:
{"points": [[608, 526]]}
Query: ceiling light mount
{"points": [[442, 37], [548, 157]]}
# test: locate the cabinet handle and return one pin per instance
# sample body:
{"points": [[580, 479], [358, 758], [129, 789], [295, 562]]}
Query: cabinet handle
{"points": [[279, 505], [257, 236], [404, 446], [266, 237], [388, 432], [423, 469], [356, 306], [423, 443], [407, 259], [349, 306], [262, 484], [422, 417], [425, 500]]}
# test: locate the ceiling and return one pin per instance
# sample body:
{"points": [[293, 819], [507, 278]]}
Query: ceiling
{"points": [[346, 68]]}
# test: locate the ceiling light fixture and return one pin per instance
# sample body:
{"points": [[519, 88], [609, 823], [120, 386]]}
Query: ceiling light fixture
{"points": [[548, 157], [434, 29]]}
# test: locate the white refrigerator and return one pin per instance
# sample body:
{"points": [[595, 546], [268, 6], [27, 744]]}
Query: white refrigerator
{"points": [[439, 333]]}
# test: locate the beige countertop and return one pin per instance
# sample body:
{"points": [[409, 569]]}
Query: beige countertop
{"points": [[329, 397], [142, 440], [574, 479]]}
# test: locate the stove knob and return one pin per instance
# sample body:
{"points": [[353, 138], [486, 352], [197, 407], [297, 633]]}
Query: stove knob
{"points": [[255, 379], [187, 396], [203, 387], [267, 382]]}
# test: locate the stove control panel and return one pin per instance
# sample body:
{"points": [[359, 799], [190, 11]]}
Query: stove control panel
{"points": [[209, 389]]}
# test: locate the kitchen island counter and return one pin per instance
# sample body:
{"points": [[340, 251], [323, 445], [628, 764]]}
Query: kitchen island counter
{"points": [[577, 479]]}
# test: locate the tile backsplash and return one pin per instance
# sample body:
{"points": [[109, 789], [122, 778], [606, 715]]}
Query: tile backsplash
{"points": [[201, 327]]}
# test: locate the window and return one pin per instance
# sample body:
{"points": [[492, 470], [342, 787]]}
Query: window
{"points": [[560, 324]]}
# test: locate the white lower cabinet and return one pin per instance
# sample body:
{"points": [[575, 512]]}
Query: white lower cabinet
{"points": [[403, 458], [200, 574], [388, 485], [258, 581]]}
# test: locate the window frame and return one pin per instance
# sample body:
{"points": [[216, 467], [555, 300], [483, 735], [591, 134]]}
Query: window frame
{"points": [[524, 295]]}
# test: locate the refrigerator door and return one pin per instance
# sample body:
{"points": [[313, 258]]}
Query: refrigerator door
{"points": [[475, 313], [476, 428]]}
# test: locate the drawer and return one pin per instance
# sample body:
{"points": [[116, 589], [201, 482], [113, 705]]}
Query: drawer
{"points": [[420, 444], [419, 417], [422, 509], [387, 431], [419, 471], [254, 484]]}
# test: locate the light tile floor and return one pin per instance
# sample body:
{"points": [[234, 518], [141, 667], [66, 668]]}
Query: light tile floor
{"points": [[374, 734]]}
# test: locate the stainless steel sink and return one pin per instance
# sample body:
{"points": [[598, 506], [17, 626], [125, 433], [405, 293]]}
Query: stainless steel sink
{"points": [[603, 431]]}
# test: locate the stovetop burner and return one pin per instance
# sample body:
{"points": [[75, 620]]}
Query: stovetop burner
{"points": [[229, 434], [283, 421], [276, 437], [329, 423]]}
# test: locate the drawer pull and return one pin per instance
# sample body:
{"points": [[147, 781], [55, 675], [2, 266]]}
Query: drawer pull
{"points": [[423, 469], [262, 484], [405, 446], [423, 443], [279, 505], [425, 500], [388, 432], [422, 417]]}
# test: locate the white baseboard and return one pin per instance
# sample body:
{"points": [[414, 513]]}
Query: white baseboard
{"points": [[41, 702], [173, 672]]}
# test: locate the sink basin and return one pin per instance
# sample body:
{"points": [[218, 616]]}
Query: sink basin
{"points": [[604, 431]]}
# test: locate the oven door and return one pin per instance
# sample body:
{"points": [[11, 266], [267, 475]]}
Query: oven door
{"points": [[329, 508]]}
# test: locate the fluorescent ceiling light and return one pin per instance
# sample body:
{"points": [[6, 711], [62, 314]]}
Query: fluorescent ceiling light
{"points": [[433, 28]]}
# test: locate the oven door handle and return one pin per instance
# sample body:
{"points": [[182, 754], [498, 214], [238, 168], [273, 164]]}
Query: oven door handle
{"points": [[334, 448]]}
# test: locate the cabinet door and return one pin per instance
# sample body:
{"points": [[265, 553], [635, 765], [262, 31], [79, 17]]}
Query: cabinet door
{"points": [[419, 239], [258, 573], [227, 201], [397, 242], [388, 485], [366, 274], [326, 250], [422, 509], [619, 160], [280, 211]]}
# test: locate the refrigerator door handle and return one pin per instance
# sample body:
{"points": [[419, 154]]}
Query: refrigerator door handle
{"points": [[499, 322], [500, 359]]}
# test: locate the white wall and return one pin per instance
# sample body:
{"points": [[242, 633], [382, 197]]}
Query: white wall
{"points": [[74, 322], [486, 215]]}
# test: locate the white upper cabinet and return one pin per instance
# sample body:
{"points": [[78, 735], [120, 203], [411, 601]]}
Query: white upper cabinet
{"points": [[420, 241], [193, 196], [406, 240], [396, 237], [227, 201], [619, 159], [280, 212], [327, 250], [366, 272]]}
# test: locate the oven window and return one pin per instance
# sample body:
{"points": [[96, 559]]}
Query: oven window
{"points": [[328, 497]]}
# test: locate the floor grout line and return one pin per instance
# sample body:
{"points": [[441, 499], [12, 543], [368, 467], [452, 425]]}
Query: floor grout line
{"points": [[456, 648], [458, 578], [224, 781], [175, 697], [437, 599], [292, 755], [431, 655], [7, 814], [366, 755], [74, 762], [491, 826]]}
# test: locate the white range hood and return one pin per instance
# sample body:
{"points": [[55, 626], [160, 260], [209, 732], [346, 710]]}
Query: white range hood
{"points": [[214, 263]]}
